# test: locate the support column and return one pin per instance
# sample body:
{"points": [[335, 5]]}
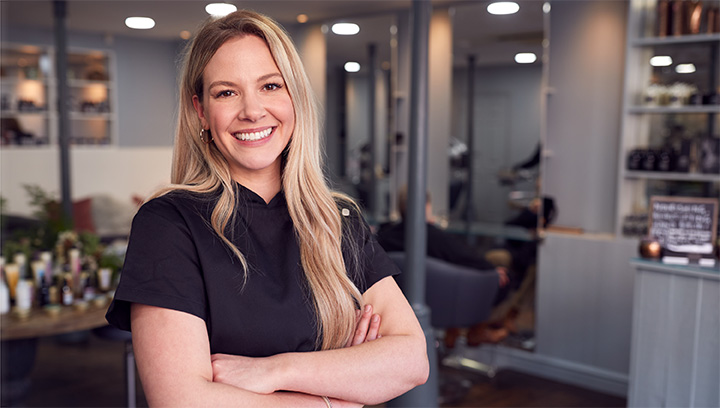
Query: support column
{"points": [[60, 14], [470, 146], [427, 394], [372, 88]]}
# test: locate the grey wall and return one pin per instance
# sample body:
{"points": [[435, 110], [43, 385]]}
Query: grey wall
{"points": [[146, 82], [587, 54]]}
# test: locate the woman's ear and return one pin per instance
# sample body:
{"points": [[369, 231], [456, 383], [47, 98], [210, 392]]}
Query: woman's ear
{"points": [[200, 111]]}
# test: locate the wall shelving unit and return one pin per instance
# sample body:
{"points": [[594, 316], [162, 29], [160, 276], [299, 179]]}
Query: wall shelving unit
{"points": [[29, 99], [685, 128]]}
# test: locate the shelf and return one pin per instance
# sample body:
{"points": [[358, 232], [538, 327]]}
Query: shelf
{"points": [[675, 109], [91, 115], [79, 83], [14, 81], [14, 113], [685, 39], [660, 175]]}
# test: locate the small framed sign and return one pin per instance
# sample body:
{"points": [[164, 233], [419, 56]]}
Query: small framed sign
{"points": [[686, 228]]}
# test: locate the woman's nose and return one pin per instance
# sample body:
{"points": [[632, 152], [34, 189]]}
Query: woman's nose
{"points": [[251, 108]]}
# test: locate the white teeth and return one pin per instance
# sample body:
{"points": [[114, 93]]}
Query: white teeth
{"points": [[252, 136]]}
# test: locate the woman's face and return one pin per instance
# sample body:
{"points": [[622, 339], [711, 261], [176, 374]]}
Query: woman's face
{"points": [[247, 108]]}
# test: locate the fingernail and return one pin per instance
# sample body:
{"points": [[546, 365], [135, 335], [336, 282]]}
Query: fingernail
{"points": [[375, 318], [368, 308]]}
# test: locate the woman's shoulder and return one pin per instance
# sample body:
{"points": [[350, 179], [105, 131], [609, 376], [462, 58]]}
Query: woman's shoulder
{"points": [[177, 202]]}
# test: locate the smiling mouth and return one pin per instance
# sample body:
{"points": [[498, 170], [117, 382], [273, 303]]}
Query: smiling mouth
{"points": [[253, 136]]}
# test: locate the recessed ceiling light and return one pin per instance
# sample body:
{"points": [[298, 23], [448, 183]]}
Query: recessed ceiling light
{"points": [[140, 23], [502, 8], [345, 28], [546, 7], [661, 61], [685, 68], [352, 66], [185, 34], [525, 58], [302, 18], [220, 9]]}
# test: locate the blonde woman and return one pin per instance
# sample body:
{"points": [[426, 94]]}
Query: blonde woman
{"points": [[247, 282]]}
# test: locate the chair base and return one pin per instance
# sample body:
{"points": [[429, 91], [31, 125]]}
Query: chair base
{"points": [[466, 364]]}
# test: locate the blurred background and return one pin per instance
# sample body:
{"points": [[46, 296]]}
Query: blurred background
{"points": [[549, 130]]}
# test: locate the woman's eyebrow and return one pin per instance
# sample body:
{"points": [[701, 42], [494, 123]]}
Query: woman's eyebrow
{"points": [[221, 83], [268, 76], [233, 84]]}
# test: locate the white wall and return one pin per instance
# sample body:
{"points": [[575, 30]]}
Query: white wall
{"points": [[117, 172], [587, 54]]}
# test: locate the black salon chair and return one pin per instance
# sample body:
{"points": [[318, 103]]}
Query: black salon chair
{"points": [[457, 297]]}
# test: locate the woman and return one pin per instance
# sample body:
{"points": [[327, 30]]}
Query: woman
{"points": [[243, 281]]}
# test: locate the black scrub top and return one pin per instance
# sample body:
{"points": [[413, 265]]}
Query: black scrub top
{"points": [[175, 260]]}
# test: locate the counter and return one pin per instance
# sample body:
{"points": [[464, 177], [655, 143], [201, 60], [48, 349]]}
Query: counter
{"points": [[675, 351]]}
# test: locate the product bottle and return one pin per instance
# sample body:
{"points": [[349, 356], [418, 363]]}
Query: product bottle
{"points": [[4, 290], [23, 300], [43, 292], [21, 262], [67, 294], [46, 257]]}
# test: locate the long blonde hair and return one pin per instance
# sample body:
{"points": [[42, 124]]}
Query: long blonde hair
{"points": [[201, 168]]}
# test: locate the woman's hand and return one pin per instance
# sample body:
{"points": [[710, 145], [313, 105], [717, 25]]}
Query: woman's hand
{"points": [[251, 374], [367, 327]]}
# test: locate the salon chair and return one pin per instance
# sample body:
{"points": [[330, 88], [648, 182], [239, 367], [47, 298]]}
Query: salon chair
{"points": [[458, 297]]}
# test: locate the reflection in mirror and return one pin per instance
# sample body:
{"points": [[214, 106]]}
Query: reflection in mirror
{"points": [[495, 151]]}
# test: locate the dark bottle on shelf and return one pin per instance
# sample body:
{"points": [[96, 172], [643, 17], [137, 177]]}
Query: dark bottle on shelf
{"points": [[634, 160], [664, 160], [649, 162]]}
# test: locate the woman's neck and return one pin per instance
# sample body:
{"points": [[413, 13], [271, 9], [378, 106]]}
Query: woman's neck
{"points": [[266, 184]]}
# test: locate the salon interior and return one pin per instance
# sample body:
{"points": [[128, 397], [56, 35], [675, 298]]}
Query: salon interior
{"points": [[544, 131]]}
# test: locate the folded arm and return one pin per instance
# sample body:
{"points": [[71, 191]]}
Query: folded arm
{"points": [[173, 359], [370, 373]]}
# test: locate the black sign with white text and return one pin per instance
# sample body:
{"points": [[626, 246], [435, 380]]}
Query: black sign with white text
{"points": [[686, 228]]}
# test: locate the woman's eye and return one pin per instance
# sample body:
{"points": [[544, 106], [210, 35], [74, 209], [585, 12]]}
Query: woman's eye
{"points": [[223, 94], [271, 87]]}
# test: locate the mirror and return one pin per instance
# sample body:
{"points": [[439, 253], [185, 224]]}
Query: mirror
{"points": [[495, 172]]}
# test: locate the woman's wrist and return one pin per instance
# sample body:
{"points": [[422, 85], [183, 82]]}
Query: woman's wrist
{"points": [[281, 371]]}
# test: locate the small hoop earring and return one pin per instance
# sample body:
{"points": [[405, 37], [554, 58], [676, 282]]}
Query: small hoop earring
{"points": [[202, 136]]}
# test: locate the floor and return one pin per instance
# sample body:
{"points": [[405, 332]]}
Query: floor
{"points": [[88, 372]]}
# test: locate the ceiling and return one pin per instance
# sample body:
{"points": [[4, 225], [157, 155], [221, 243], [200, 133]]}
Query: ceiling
{"points": [[494, 40]]}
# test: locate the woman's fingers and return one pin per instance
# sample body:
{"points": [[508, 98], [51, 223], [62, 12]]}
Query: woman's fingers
{"points": [[374, 329], [361, 330], [367, 327]]}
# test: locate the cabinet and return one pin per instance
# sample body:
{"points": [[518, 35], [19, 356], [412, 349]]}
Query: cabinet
{"points": [[29, 103], [675, 353], [670, 141]]}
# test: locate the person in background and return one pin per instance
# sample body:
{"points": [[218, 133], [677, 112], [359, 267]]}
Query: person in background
{"points": [[247, 282], [448, 247]]}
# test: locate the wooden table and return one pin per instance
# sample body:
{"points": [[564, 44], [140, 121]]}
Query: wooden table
{"points": [[40, 324], [25, 332]]}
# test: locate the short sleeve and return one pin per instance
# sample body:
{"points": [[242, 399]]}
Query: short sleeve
{"points": [[161, 267], [364, 257]]}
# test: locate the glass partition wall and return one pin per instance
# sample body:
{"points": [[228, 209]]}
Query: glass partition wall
{"points": [[493, 150], [496, 147]]}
